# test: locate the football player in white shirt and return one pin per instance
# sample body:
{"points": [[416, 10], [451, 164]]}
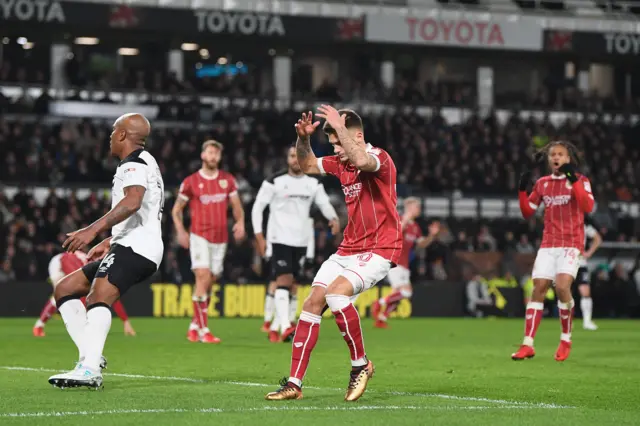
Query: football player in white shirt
{"points": [[582, 278], [289, 195], [131, 255]]}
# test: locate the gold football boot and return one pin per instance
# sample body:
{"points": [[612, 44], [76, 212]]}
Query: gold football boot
{"points": [[285, 392], [358, 382]]}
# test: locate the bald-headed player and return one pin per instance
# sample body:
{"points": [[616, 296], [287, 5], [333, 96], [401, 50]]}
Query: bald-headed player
{"points": [[131, 255]]}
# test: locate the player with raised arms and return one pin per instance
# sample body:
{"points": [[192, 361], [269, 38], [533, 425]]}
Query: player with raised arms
{"points": [[567, 196], [371, 246]]}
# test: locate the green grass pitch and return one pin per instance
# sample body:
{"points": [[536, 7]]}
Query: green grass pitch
{"points": [[429, 371]]}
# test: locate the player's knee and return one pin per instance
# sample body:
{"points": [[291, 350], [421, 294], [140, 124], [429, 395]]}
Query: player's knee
{"points": [[406, 292], [341, 286], [103, 291], [75, 284], [315, 302]]}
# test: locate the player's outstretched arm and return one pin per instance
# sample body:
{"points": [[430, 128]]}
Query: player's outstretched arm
{"points": [[357, 153], [306, 158], [130, 204]]}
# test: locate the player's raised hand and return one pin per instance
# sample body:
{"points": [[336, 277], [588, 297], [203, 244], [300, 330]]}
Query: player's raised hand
{"points": [[331, 115], [305, 125], [525, 178], [78, 239]]}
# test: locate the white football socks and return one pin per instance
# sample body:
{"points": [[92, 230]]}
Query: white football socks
{"points": [[74, 316], [95, 335]]}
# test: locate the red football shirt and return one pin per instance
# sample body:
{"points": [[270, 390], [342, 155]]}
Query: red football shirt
{"points": [[208, 202], [563, 219], [374, 224], [71, 262], [410, 234]]}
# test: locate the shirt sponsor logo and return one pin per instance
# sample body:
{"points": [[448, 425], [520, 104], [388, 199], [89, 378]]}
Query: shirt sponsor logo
{"points": [[558, 200], [352, 190], [212, 198]]}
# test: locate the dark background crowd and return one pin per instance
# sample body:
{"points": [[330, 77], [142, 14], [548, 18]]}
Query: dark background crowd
{"points": [[471, 156]]}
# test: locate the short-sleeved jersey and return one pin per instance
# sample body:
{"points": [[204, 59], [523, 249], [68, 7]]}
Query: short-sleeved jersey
{"points": [[373, 224], [142, 231], [410, 234], [208, 198], [289, 199], [563, 219]]}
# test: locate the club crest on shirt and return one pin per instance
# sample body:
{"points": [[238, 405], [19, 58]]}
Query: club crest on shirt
{"points": [[568, 185], [545, 184], [223, 183], [201, 186]]}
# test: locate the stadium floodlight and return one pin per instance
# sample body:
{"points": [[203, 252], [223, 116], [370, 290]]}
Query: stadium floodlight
{"points": [[128, 51], [87, 41], [189, 46]]}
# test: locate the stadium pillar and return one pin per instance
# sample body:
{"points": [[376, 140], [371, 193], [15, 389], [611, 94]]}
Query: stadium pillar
{"points": [[583, 78], [485, 89], [387, 74], [59, 53], [175, 63], [282, 76]]}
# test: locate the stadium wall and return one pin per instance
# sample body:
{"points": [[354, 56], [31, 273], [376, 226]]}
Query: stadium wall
{"points": [[168, 300]]}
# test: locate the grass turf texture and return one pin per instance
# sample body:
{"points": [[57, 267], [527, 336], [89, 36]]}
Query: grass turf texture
{"points": [[429, 371]]}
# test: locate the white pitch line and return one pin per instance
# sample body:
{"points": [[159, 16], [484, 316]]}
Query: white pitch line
{"points": [[258, 409], [252, 384]]}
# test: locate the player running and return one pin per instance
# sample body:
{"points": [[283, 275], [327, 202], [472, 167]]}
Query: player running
{"points": [[567, 197], [131, 255], [584, 287], [64, 264], [372, 243], [208, 193], [289, 195], [400, 276]]}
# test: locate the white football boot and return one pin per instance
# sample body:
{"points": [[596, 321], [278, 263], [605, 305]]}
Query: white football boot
{"points": [[78, 377], [590, 326]]}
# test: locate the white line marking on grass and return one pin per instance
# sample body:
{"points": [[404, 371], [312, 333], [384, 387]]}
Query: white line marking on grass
{"points": [[257, 409], [252, 384]]}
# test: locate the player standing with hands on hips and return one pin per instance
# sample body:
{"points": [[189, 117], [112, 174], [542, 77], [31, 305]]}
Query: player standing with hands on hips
{"points": [[567, 196]]}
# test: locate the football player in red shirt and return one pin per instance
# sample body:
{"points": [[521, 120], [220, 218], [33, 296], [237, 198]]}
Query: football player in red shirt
{"points": [[209, 191], [63, 264], [400, 276], [567, 196], [372, 243]]}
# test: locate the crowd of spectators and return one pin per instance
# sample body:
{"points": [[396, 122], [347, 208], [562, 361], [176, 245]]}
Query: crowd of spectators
{"points": [[475, 157]]}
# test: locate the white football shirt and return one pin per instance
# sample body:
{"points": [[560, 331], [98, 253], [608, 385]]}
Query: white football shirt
{"points": [[589, 233], [143, 230], [289, 199]]}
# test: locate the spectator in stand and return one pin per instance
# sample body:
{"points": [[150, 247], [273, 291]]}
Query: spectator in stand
{"points": [[524, 246]]}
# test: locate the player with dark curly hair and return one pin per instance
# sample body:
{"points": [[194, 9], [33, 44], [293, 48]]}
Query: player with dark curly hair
{"points": [[567, 196]]}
